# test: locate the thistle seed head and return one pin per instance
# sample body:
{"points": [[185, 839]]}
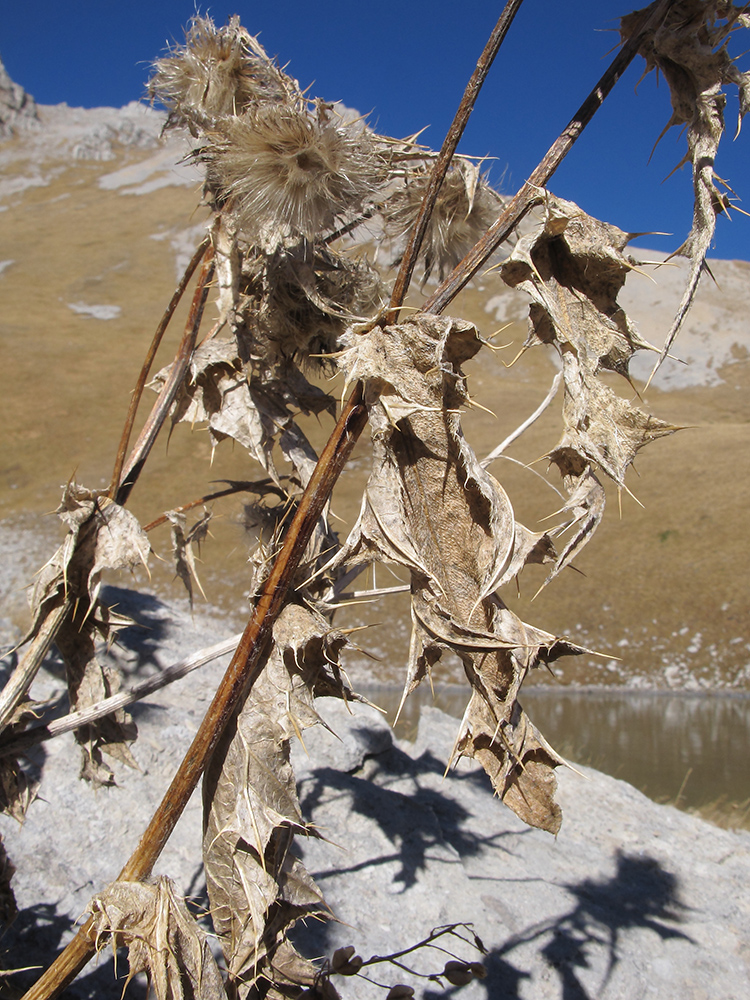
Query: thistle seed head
{"points": [[466, 206], [279, 166], [218, 71]]}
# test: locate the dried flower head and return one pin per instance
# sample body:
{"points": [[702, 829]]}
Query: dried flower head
{"points": [[278, 166], [218, 71], [466, 206]]}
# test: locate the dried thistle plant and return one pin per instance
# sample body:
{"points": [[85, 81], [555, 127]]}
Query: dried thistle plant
{"points": [[282, 173]]}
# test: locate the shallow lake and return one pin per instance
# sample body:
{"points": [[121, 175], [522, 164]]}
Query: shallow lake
{"points": [[687, 749]]}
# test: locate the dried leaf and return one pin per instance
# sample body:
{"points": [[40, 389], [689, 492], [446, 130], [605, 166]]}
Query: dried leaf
{"points": [[182, 547], [573, 267], [256, 886], [690, 48], [162, 937], [102, 535], [430, 506], [256, 412], [90, 682], [17, 789]]}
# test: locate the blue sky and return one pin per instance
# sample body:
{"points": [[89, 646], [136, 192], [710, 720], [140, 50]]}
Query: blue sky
{"points": [[406, 62]]}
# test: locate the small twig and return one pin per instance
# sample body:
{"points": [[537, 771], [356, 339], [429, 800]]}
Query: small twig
{"points": [[497, 452], [161, 407], [434, 934], [74, 720], [257, 486], [532, 192], [135, 399]]}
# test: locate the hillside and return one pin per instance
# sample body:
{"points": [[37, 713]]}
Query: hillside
{"points": [[98, 216]]}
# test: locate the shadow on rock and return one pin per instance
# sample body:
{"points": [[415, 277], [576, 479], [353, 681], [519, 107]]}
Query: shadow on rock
{"points": [[34, 939], [640, 895], [414, 819], [137, 644]]}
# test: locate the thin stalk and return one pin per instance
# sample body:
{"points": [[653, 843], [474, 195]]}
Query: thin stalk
{"points": [[161, 407], [532, 192], [514, 435], [140, 385], [440, 168], [257, 486], [74, 720]]}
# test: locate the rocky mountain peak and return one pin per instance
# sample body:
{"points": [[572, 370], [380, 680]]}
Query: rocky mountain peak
{"points": [[17, 108]]}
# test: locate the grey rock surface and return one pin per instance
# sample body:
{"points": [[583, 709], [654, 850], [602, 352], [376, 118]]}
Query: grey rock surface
{"points": [[632, 900], [18, 110]]}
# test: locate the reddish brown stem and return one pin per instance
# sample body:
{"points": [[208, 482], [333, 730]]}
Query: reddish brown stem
{"points": [[158, 415], [532, 192], [440, 168], [140, 385]]}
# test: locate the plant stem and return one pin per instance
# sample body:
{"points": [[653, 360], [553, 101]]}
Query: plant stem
{"points": [[440, 168], [135, 399], [261, 486], [20, 680], [532, 192], [74, 720], [161, 407]]}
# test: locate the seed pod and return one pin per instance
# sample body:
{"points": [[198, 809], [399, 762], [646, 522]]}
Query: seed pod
{"points": [[276, 165], [345, 962], [399, 992], [458, 973]]}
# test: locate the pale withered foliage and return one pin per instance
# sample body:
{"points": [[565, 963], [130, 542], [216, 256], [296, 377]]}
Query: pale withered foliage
{"points": [[573, 267], [218, 71], [279, 168], [431, 507], [163, 940], [690, 49], [466, 206], [101, 536], [257, 887], [184, 543], [305, 296]]}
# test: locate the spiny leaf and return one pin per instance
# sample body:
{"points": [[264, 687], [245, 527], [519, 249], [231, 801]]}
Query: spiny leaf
{"points": [[430, 506], [162, 937], [256, 886], [690, 49]]}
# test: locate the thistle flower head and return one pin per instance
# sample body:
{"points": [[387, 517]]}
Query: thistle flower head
{"points": [[218, 71], [279, 166], [466, 206]]}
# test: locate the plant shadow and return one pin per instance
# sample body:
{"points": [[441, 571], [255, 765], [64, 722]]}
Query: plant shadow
{"points": [[581, 945], [32, 941]]}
